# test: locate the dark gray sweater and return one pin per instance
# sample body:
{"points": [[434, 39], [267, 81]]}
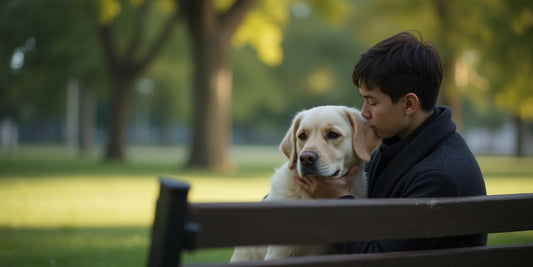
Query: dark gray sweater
{"points": [[434, 161]]}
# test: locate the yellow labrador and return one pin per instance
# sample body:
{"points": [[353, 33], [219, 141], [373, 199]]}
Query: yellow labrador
{"points": [[325, 142]]}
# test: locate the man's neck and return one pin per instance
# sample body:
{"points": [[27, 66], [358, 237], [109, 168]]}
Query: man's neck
{"points": [[417, 119]]}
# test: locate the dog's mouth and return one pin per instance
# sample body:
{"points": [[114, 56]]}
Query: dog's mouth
{"points": [[335, 173], [338, 173], [325, 172], [319, 173]]}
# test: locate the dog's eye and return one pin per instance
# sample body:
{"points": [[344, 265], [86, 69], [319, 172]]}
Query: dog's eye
{"points": [[333, 135], [302, 136]]}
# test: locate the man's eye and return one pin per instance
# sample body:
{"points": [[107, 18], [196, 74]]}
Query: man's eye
{"points": [[302, 136], [333, 135]]}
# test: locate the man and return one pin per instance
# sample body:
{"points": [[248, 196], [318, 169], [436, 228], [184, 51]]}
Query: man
{"points": [[422, 155]]}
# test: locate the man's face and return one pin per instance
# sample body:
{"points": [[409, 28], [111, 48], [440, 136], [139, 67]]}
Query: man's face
{"points": [[386, 118]]}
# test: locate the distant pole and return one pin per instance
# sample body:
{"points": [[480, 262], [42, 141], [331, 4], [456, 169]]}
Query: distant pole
{"points": [[9, 134], [72, 114], [87, 117], [520, 129], [145, 87]]}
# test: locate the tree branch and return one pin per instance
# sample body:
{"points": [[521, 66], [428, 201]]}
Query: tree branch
{"points": [[106, 38], [163, 36], [138, 30], [231, 19]]}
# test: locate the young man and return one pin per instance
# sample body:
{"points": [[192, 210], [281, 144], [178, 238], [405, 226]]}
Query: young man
{"points": [[422, 155]]}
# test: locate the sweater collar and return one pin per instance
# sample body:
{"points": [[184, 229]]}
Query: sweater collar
{"points": [[393, 145]]}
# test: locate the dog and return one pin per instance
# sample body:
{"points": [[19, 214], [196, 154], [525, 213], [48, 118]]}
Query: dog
{"points": [[323, 142]]}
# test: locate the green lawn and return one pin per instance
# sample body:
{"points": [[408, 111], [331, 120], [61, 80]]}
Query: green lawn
{"points": [[57, 209]]}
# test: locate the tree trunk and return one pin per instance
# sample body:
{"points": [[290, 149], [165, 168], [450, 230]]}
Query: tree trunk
{"points": [[119, 114], [212, 95], [449, 94], [125, 69], [211, 34]]}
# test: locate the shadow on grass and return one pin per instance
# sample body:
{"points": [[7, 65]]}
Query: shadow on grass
{"points": [[27, 166], [103, 246], [74, 246]]}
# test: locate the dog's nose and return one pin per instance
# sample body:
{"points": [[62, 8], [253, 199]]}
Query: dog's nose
{"points": [[308, 158]]}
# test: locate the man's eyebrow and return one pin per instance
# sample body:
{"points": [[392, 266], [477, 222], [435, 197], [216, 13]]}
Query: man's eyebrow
{"points": [[368, 96]]}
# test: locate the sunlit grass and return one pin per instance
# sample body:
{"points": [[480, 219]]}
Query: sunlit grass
{"points": [[111, 201], [57, 209], [507, 175]]}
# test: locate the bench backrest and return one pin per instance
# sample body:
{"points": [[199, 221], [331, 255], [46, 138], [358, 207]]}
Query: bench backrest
{"points": [[179, 225]]}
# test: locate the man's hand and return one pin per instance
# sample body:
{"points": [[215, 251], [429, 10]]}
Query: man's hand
{"points": [[328, 187]]}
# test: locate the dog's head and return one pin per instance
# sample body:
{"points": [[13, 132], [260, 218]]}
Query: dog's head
{"points": [[327, 141]]}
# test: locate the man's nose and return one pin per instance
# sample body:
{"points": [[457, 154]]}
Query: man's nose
{"points": [[365, 113]]}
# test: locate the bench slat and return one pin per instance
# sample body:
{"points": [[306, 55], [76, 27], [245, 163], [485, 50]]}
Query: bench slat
{"points": [[516, 256], [231, 224]]}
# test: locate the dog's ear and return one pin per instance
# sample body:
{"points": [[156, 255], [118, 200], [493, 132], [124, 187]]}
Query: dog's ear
{"points": [[288, 144], [364, 140]]}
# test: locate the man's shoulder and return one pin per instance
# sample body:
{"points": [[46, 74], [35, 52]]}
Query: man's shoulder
{"points": [[454, 162], [450, 158], [452, 152]]}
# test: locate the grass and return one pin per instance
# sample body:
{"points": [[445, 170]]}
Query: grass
{"points": [[57, 209]]}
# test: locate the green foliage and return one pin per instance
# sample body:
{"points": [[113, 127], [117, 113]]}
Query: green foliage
{"points": [[171, 74], [62, 50], [255, 89], [509, 57], [318, 56], [318, 66], [372, 21], [262, 29], [499, 35]]}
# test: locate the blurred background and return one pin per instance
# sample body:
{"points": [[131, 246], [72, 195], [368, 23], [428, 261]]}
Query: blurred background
{"points": [[109, 74], [100, 97]]}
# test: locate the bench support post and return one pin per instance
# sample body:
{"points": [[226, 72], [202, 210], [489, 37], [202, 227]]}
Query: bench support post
{"points": [[168, 238]]}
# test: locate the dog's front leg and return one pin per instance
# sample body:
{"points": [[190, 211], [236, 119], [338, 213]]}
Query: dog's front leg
{"points": [[248, 253], [280, 252]]}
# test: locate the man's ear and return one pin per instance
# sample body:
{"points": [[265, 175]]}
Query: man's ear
{"points": [[288, 144], [364, 140], [411, 103]]}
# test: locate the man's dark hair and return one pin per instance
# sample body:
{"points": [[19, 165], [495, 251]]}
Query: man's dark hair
{"points": [[400, 65]]}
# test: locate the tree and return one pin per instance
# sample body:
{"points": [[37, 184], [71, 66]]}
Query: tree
{"points": [[507, 60], [127, 63], [448, 28], [210, 35], [60, 50], [213, 27]]}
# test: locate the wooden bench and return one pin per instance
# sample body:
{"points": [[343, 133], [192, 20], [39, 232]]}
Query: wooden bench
{"points": [[180, 226]]}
